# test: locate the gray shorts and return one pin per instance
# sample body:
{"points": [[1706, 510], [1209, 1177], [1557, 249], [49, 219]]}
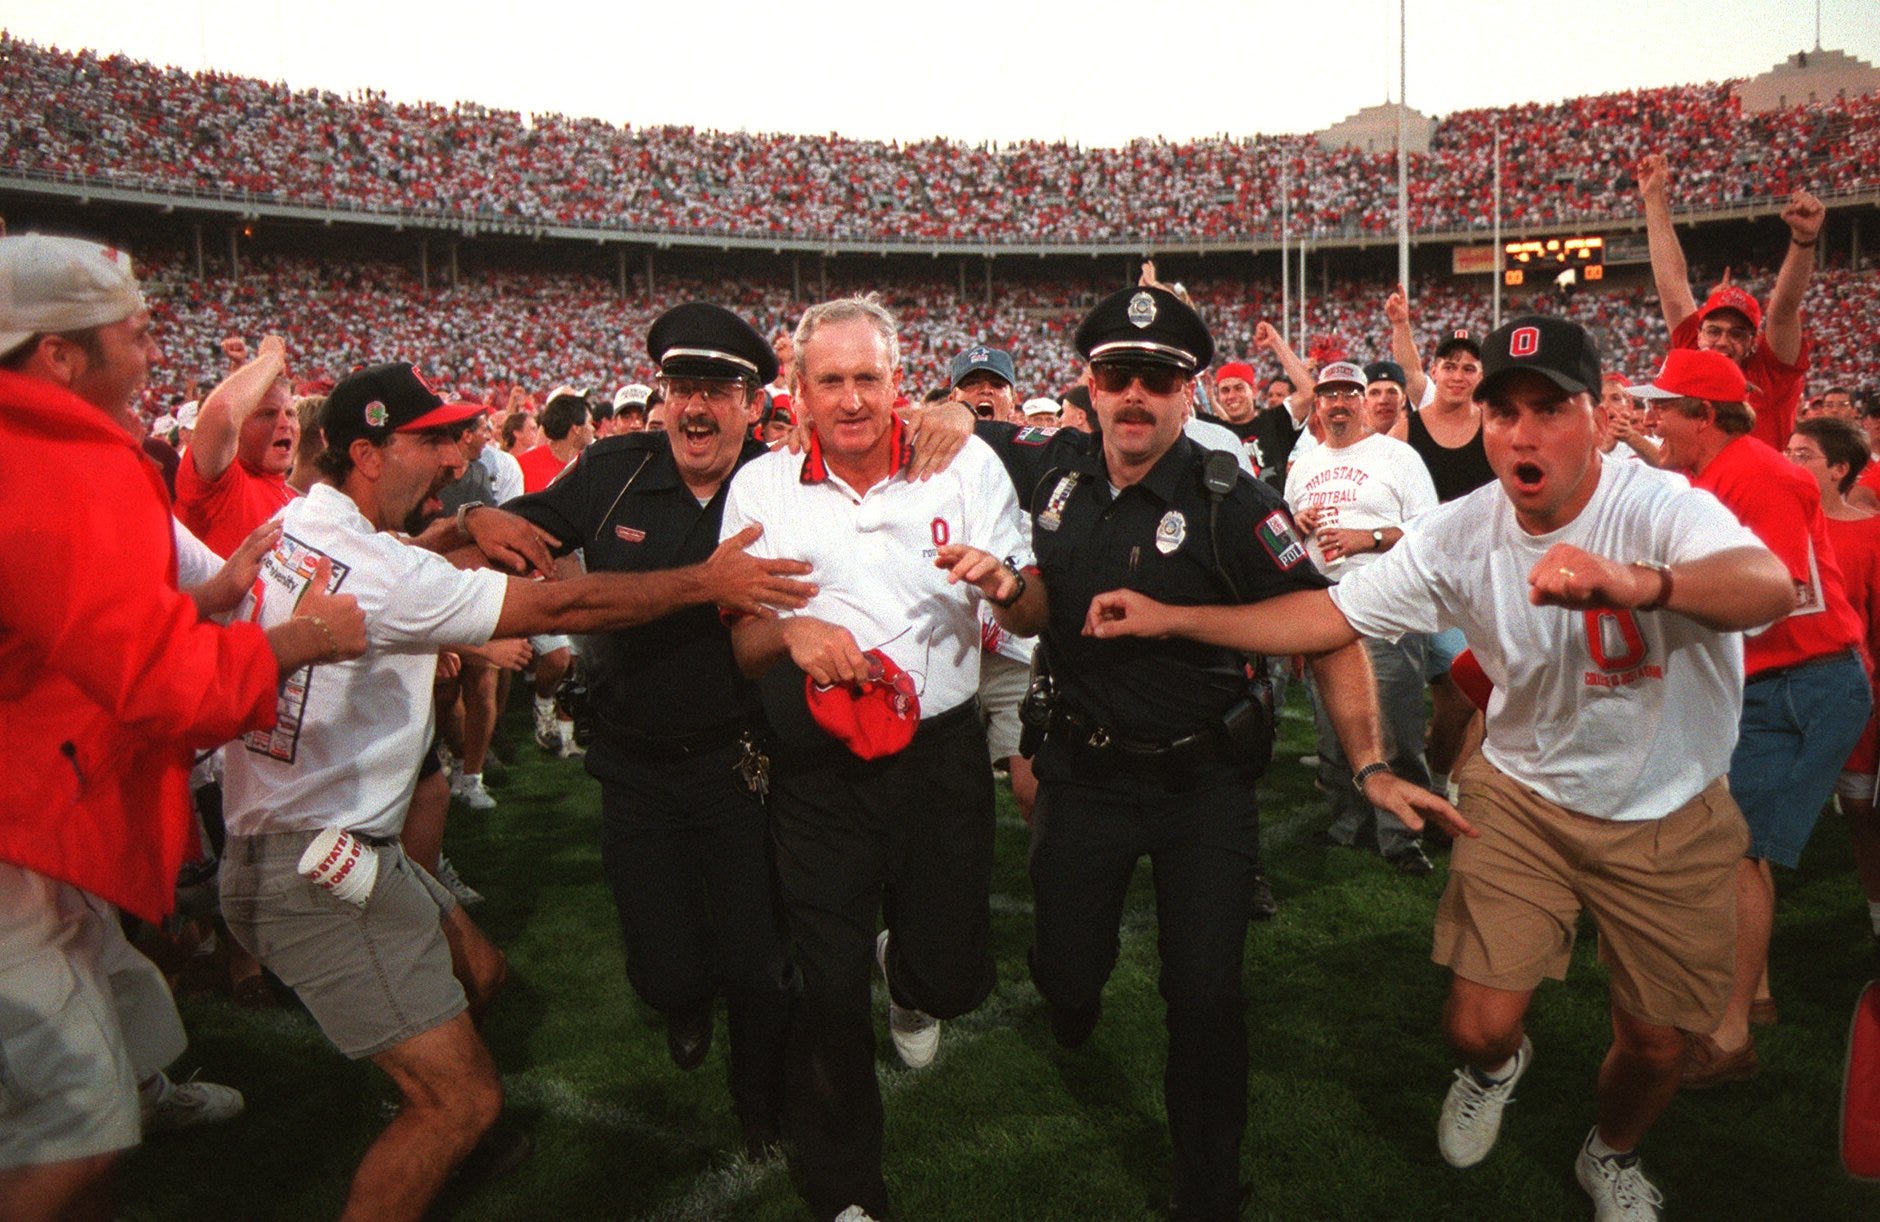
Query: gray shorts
{"points": [[1002, 684], [372, 977], [84, 1017]]}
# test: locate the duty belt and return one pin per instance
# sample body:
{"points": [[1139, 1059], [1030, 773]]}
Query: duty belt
{"points": [[663, 746], [1204, 743]]}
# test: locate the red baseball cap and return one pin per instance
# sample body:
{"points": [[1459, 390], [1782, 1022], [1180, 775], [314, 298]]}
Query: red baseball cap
{"points": [[872, 719], [1730, 297], [1691, 374], [1236, 369]]}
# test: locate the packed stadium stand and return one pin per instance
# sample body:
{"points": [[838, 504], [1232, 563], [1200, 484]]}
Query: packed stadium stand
{"points": [[542, 312], [111, 119]]}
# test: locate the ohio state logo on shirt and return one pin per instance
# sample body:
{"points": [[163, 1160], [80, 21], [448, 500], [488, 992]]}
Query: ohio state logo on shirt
{"points": [[1617, 647]]}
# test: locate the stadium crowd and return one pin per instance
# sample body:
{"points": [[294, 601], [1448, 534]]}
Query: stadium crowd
{"points": [[121, 121], [540, 330]]}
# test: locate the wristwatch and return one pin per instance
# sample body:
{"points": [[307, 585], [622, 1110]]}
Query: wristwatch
{"points": [[463, 515], [1377, 540], [1011, 566], [1664, 583], [1365, 773]]}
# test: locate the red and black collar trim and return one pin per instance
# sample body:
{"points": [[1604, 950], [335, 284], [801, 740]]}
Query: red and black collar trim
{"points": [[816, 468]]}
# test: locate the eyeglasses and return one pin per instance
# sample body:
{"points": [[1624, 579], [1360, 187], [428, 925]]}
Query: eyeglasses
{"points": [[1341, 394], [717, 392], [1715, 331], [1156, 379]]}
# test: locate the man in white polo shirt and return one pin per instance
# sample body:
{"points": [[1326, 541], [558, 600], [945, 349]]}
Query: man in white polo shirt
{"points": [[908, 834], [1352, 496], [344, 753], [1604, 602]]}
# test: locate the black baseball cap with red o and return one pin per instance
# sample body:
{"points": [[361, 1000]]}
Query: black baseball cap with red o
{"points": [[380, 400], [1563, 352], [1459, 342]]}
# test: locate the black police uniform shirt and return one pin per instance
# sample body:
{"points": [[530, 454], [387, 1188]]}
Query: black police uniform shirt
{"points": [[624, 504], [1154, 538]]}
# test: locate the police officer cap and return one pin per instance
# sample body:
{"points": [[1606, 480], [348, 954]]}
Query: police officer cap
{"points": [[1149, 325], [700, 340]]}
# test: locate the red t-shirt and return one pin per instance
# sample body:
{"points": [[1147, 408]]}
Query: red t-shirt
{"points": [[1869, 477], [224, 511], [1857, 550], [540, 467], [1775, 389], [1780, 503]]}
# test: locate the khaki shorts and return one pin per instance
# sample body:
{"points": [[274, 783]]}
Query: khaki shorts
{"points": [[1002, 685], [84, 1017], [372, 977], [1660, 892]]}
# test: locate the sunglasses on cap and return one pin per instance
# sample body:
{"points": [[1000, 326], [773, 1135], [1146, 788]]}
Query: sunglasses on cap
{"points": [[1114, 379]]}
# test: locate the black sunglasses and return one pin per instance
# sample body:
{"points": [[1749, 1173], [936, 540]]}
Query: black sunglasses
{"points": [[1156, 379]]}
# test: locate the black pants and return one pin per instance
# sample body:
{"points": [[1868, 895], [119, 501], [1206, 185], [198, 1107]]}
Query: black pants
{"points": [[1201, 831], [909, 836], [685, 851]]}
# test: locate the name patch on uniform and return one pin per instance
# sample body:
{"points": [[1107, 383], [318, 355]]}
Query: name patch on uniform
{"points": [[629, 535], [1281, 541], [1052, 515], [1033, 435], [1171, 531]]}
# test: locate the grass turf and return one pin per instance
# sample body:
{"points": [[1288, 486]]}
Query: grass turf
{"points": [[1349, 1069]]}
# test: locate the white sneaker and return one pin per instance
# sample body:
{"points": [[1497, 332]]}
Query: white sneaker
{"points": [[855, 1213], [1619, 1189], [1471, 1117], [467, 787], [185, 1105], [564, 731], [464, 893], [916, 1035], [547, 729]]}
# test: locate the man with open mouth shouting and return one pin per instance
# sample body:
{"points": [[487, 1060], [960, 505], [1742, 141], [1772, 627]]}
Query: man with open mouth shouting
{"points": [[1603, 600]]}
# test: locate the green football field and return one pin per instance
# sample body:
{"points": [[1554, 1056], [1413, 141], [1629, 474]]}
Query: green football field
{"points": [[1349, 1068]]}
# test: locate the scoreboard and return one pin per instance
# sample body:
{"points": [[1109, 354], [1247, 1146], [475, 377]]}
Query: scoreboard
{"points": [[1539, 260]]}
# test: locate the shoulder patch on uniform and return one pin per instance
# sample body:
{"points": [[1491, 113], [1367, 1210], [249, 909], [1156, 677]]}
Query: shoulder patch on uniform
{"points": [[1033, 435], [1281, 541]]}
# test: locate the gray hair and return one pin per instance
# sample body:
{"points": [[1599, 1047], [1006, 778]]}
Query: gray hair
{"points": [[846, 309]]}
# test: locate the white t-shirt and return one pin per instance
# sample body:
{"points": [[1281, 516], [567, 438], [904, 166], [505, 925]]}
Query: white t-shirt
{"points": [[1618, 715], [1212, 436], [195, 563], [346, 750], [505, 473], [872, 556], [1372, 483]]}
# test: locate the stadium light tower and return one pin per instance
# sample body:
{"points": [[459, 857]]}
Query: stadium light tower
{"points": [[1403, 155], [1496, 227], [1285, 265]]}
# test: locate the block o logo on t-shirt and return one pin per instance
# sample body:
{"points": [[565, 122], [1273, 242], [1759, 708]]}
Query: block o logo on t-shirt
{"points": [[1525, 341]]}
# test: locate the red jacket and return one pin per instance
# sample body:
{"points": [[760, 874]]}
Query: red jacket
{"points": [[109, 679]]}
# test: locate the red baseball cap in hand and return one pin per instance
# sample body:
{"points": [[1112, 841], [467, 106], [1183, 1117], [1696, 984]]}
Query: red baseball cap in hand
{"points": [[874, 718]]}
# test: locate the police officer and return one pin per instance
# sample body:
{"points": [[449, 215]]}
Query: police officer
{"points": [[683, 839], [1154, 747]]}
